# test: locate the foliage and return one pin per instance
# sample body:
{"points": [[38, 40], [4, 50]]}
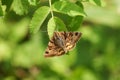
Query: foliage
{"points": [[27, 25]]}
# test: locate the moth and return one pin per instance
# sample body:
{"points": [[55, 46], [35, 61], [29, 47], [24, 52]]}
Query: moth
{"points": [[61, 43]]}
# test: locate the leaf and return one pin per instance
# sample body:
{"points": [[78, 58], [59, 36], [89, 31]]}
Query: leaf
{"points": [[7, 3], [98, 2], [60, 26], [51, 27], [38, 19], [75, 23], [20, 7], [33, 2], [80, 4], [68, 8], [55, 23]]}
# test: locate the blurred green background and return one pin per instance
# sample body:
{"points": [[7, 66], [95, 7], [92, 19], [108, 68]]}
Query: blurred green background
{"points": [[96, 56]]}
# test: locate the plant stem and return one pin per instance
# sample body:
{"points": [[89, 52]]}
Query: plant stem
{"points": [[51, 8]]}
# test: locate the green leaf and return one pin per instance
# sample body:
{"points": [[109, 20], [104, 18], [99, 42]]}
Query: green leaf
{"points": [[75, 23], [51, 27], [80, 4], [7, 3], [68, 8], [60, 26], [38, 19], [33, 2], [55, 24], [98, 2], [20, 7]]}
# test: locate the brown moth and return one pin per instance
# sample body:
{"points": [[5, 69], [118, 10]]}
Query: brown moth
{"points": [[61, 43]]}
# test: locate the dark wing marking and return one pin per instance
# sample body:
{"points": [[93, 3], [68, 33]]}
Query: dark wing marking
{"points": [[71, 40]]}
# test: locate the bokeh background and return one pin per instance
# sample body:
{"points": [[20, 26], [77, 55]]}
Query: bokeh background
{"points": [[96, 56]]}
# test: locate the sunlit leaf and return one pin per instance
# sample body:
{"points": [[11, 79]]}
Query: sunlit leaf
{"points": [[33, 2], [60, 26], [55, 23], [51, 27], [20, 7], [38, 19], [68, 8], [98, 2]]}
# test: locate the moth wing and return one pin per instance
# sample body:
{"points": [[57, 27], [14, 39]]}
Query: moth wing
{"points": [[71, 39], [52, 49], [50, 52]]}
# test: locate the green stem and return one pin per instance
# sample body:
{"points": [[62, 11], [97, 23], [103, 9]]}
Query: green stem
{"points": [[51, 8]]}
